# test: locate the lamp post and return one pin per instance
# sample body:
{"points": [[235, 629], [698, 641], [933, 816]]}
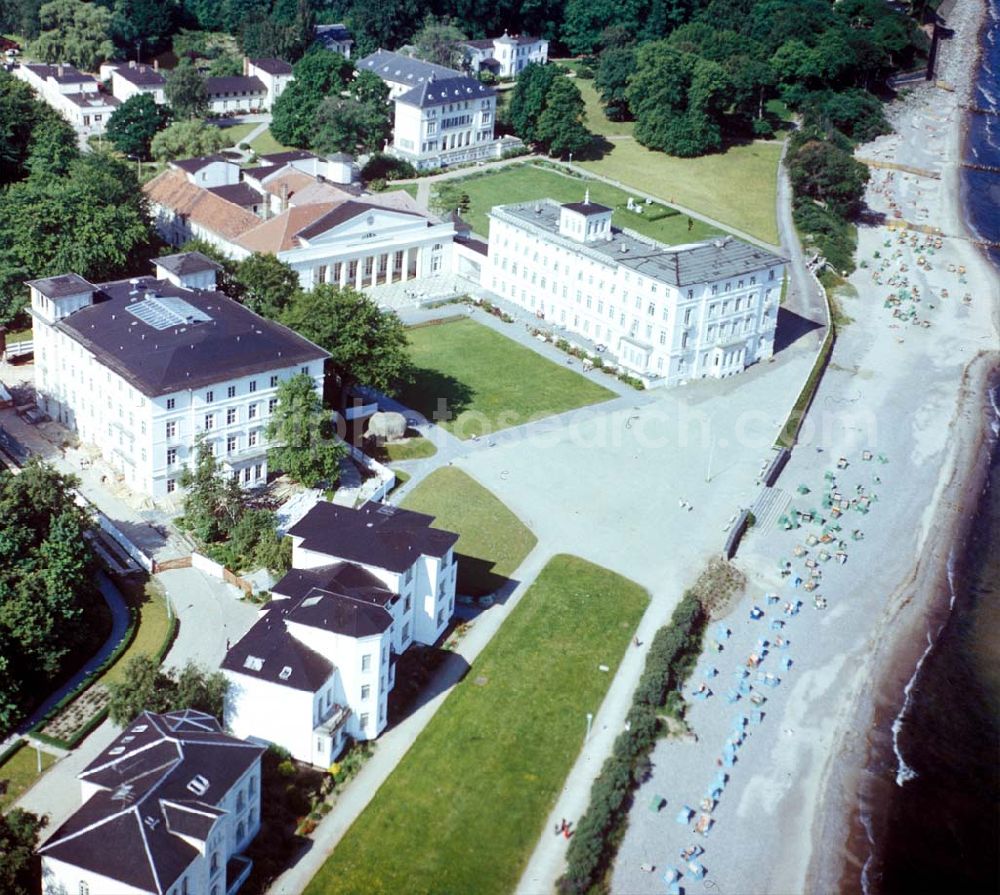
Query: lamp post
{"points": [[590, 721]]}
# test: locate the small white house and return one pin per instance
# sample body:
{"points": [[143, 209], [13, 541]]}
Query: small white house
{"points": [[505, 56], [168, 809], [318, 667], [132, 78], [274, 74], [336, 38]]}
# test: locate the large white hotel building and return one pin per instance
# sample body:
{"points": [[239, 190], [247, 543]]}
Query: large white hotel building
{"points": [[667, 314]]}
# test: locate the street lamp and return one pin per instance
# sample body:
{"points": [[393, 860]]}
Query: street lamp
{"points": [[590, 720]]}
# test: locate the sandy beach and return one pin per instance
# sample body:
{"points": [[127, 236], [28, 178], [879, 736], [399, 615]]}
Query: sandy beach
{"points": [[899, 420]]}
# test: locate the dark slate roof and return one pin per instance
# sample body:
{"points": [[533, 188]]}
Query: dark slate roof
{"points": [[403, 69], [237, 84], [345, 212], [193, 165], [339, 577], [70, 74], [326, 34], [241, 194], [476, 245], [272, 66], [680, 265], [187, 263], [339, 614], [485, 43], [61, 286], [436, 92], [141, 75], [268, 649], [234, 342], [130, 830], [586, 208], [378, 535]]}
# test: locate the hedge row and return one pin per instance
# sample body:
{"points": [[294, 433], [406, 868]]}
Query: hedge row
{"points": [[671, 659]]}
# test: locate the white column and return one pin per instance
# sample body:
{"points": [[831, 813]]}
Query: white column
{"points": [[406, 264], [343, 274], [360, 271]]}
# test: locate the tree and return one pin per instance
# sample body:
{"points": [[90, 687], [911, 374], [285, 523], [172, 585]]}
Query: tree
{"points": [[53, 147], [301, 433], [528, 100], [49, 225], [317, 75], [382, 23], [343, 124], [438, 41], [187, 139], [560, 128], [134, 123], [226, 65], [74, 31], [20, 869], [615, 66], [367, 345], [22, 114], [823, 171], [213, 501], [138, 24], [286, 32], [145, 687], [266, 284], [185, 91]]}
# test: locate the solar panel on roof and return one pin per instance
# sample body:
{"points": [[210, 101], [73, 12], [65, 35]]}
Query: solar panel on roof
{"points": [[162, 312]]}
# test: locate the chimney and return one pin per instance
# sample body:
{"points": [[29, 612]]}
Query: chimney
{"points": [[284, 197], [131, 63], [60, 70], [156, 65], [586, 198]]}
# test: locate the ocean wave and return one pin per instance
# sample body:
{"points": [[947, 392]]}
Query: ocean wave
{"points": [[866, 880]]}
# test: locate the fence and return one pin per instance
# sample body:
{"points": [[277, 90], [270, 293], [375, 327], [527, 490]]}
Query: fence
{"points": [[209, 567], [19, 349], [122, 540], [385, 476]]}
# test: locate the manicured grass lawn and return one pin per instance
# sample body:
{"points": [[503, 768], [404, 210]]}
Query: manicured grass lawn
{"points": [[596, 120], [492, 541], [412, 449], [466, 805], [265, 144], [153, 630], [237, 133], [528, 182], [737, 187], [19, 773], [410, 188], [486, 381]]}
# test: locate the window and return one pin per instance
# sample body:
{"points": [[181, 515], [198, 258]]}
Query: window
{"points": [[272, 405], [209, 397], [406, 632], [305, 370], [209, 421], [171, 402], [252, 412], [253, 385], [171, 486], [364, 720], [366, 693], [215, 863], [171, 428], [230, 416], [407, 603], [274, 382], [230, 444], [171, 456], [231, 391], [240, 804], [366, 662], [258, 470], [441, 617], [252, 439], [84, 889]]}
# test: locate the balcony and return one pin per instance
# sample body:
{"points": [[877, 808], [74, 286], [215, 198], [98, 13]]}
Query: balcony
{"points": [[237, 870], [336, 718]]}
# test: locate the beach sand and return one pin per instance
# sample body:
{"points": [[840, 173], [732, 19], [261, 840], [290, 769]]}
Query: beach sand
{"points": [[915, 395]]}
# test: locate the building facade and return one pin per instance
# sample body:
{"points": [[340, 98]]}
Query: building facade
{"points": [[133, 78], [74, 95], [143, 368], [318, 667], [666, 314], [505, 56], [168, 809], [336, 38]]}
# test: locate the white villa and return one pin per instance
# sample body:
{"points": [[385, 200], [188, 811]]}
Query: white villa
{"points": [[168, 809], [308, 212], [505, 56], [667, 314], [76, 96], [141, 368], [129, 79], [319, 665], [442, 117]]}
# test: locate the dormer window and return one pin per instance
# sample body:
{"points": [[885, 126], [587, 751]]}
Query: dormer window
{"points": [[198, 785]]}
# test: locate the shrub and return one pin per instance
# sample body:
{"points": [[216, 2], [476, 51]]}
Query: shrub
{"points": [[385, 167], [286, 768]]}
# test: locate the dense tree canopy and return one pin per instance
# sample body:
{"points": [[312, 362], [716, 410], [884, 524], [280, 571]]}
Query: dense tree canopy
{"points": [[302, 436], [134, 123], [367, 345], [317, 75], [46, 583], [616, 66], [560, 127], [824, 172], [528, 99], [355, 123], [185, 91], [145, 687], [20, 868], [187, 139], [265, 284], [438, 41], [75, 31]]}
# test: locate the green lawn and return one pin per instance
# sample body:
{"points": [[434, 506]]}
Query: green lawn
{"points": [[266, 144], [237, 133], [466, 805], [596, 120], [19, 773], [485, 382], [528, 182], [153, 630], [410, 188], [416, 448], [737, 187], [492, 541]]}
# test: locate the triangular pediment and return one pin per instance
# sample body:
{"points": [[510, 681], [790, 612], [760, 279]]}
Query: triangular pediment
{"points": [[358, 220]]}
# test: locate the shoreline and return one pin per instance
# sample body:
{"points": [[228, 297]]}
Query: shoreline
{"points": [[920, 605]]}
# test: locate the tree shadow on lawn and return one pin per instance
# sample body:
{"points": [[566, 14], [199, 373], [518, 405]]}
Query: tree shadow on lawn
{"points": [[791, 327], [422, 674], [432, 393]]}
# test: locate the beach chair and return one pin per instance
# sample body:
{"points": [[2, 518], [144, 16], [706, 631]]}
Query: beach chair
{"points": [[656, 803], [684, 815]]}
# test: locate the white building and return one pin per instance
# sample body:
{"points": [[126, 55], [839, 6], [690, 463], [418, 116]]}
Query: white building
{"points": [[141, 368], [319, 665], [666, 313], [505, 56], [168, 808], [306, 211], [132, 78], [441, 116], [336, 38], [76, 96], [274, 74]]}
